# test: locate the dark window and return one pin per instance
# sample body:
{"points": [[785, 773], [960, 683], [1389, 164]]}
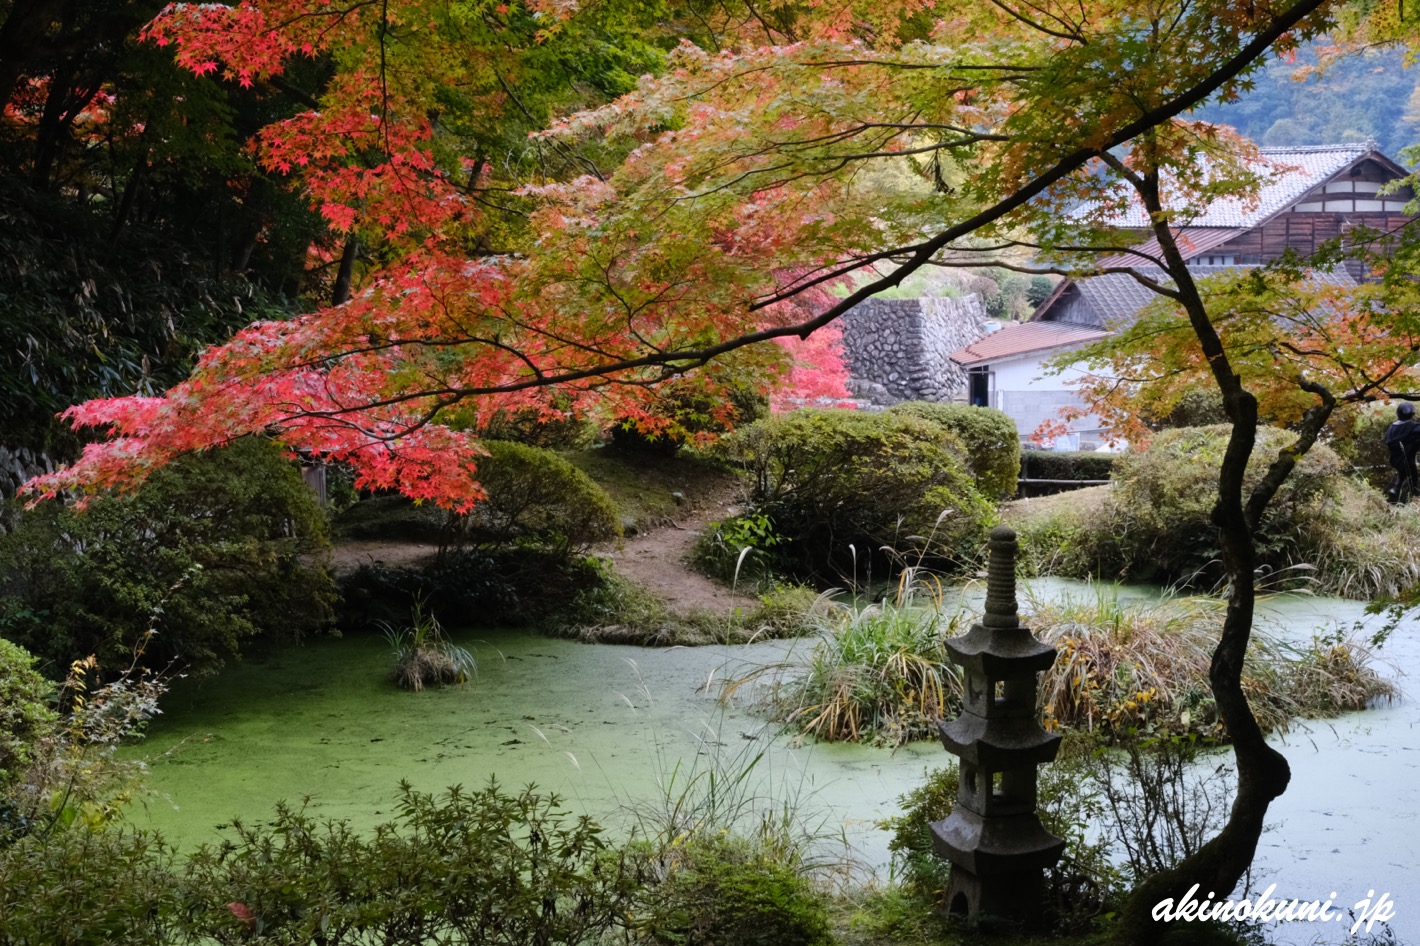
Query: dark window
{"points": [[978, 390]]}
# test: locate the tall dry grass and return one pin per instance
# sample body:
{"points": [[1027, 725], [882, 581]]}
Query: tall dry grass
{"points": [[1362, 547], [1337, 536], [1126, 667]]}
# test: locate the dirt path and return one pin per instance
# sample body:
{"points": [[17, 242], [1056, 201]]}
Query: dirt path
{"points": [[659, 560], [346, 555], [655, 558]]}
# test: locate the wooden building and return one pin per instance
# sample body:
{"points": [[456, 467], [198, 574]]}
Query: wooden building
{"points": [[1314, 194]]}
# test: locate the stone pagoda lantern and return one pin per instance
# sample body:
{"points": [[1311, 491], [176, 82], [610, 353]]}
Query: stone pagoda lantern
{"points": [[998, 848]]}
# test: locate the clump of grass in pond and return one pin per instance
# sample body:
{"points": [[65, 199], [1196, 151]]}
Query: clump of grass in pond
{"points": [[1334, 673], [424, 655], [1130, 667], [880, 673]]}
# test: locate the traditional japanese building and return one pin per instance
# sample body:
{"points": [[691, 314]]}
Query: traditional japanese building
{"points": [[1314, 194]]}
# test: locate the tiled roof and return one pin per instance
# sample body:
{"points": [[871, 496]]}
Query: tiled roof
{"points": [[1191, 242], [1023, 339], [1115, 295], [1107, 299], [1295, 171]]}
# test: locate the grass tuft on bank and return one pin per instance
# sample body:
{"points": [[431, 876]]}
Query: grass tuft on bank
{"points": [[1327, 532]]}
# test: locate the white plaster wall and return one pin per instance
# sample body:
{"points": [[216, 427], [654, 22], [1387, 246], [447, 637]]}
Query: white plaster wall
{"points": [[1021, 388]]}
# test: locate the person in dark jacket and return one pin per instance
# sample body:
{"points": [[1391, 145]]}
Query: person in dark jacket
{"points": [[1402, 439]]}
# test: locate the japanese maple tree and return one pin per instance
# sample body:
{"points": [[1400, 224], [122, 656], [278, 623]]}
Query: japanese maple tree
{"points": [[714, 206], [1281, 345], [735, 201]]}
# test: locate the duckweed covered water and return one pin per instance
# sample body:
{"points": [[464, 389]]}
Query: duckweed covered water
{"points": [[603, 726], [607, 726]]}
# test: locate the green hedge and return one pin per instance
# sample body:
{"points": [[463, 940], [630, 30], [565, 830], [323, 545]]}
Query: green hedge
{"points": [[1073, 465], [993, 446], [839, 486]]}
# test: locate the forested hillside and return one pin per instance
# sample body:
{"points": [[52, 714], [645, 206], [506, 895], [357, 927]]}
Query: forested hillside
{"points": [[1371, 95]]}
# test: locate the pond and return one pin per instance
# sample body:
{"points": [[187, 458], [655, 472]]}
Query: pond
{"points": [[611, 727]]}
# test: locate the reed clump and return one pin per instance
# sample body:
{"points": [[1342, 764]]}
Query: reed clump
{"points": [[878, 673], [1327, 531], [1131, 667], [1125, 669], [424, 655]]}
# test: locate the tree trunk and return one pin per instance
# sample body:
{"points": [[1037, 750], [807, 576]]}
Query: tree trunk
{"points": [[1263, 773], [341, 293], [126, 200]]}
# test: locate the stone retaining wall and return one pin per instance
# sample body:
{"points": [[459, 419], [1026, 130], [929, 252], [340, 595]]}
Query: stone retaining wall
{"points": [[19, 464], [898, 348]]}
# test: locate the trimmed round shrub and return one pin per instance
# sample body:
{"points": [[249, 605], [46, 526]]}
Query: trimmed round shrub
{"points": [[1160, 527], [993, 447], [25, 715], [718, 891], [213, 550], [537, 497], [840, 486]]}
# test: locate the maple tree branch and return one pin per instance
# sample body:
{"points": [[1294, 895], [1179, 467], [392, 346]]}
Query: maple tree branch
{"points": [[846, 133], [560, 146], [1307, 431], [339, 15], [925, 149], [1071, 37], [920, 253], [928, 67], [280, 84], [768, 30], [384, 74], [1023, 268], [1108, 250]]}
